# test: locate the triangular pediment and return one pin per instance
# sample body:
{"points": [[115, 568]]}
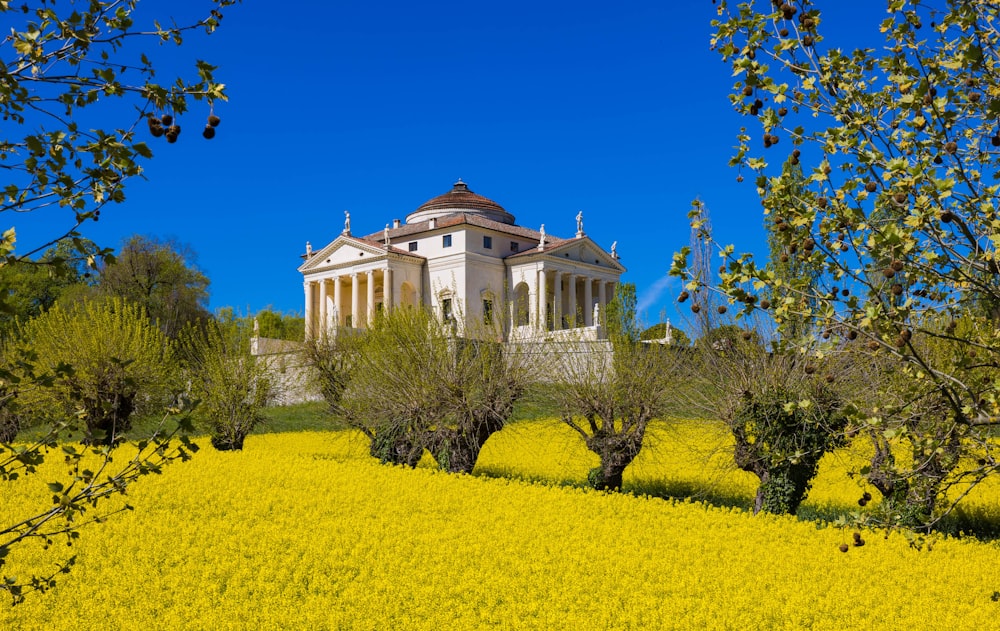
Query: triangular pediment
{"points": [[343, 251], [581, 250]]}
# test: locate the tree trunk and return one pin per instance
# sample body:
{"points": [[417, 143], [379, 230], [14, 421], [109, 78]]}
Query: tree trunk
{"points": [[910, 497], [108, 420], [457, 450], [232, 442], [616, 452], [395, 448], [783, 488], [10, 425]]}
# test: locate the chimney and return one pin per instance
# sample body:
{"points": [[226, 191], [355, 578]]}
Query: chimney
{"points": [[433, 223], [395, 223]]}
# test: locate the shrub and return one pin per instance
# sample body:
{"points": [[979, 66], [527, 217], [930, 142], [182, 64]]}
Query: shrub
{"points": [[106, 360], [231, 386]]}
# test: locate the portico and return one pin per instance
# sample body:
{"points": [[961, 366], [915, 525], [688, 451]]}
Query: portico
{"points": [[461, 253]]}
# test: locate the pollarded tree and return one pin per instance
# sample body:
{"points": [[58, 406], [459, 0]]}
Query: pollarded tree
{"points": [[609, 392], [417, 385], [108, 363], [485, 378], [392, 397], [232, 386], [897, 217], [784, 410], [333, 358]]}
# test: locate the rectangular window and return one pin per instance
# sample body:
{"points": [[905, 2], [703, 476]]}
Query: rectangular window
{"points": [[413, 246], [446, 312], [446, 241], [487, 242], [487, 311], [513, 246]]}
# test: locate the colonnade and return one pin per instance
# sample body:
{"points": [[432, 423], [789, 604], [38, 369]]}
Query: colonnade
{"points": [[569, 309], [324, 311]]}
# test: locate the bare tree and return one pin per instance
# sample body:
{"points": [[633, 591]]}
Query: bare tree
{"points": [[417, 385], [610, 391]]}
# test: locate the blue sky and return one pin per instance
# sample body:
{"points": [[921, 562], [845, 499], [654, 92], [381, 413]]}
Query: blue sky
{"points": [[548, 108]]}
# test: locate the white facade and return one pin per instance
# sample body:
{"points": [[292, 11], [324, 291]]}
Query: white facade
{"points": [[462, 255]]}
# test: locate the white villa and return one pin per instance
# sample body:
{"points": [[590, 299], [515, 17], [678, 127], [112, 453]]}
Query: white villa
{"points": [[464, 256]]}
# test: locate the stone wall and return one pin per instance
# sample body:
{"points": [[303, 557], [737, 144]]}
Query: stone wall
{"points": [[288, 367]]}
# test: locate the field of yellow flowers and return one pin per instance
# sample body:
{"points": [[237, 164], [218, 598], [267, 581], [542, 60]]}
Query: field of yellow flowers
{"points": [[302, 530]]}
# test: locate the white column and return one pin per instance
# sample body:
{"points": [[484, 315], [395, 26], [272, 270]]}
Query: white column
{"points": [[602, 299], [557, 301], [324, 324], [588, 301], [387, 296], [355, 300], [338, 309], [370, 306], [542, 307], [309, 310], [571, 300]]}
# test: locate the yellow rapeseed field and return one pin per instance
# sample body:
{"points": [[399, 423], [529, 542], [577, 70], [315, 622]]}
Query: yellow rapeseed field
{"points": [[302, 531]]}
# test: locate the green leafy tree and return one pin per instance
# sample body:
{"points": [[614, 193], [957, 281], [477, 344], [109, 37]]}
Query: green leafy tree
{"points": [[32, 286], [793, 278], [609, 392], [678, 337], [232, 386], [895, 219], [280, 326], [69, 64], [76, 91], [162, 277], [108, 363], [82, 371]]}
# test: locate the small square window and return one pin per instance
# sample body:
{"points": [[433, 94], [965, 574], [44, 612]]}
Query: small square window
{"points": [[446, 241], [413, 246], [513, 246], [488, 242]]}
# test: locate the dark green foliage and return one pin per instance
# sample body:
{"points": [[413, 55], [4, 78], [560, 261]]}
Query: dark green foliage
{"points": [[162, 277], [679, 339], [31, 287], [280, 326], [781, 441]]}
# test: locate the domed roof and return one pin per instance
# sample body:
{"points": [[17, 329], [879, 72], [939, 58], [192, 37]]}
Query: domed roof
{"points": [[458, 200]]}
